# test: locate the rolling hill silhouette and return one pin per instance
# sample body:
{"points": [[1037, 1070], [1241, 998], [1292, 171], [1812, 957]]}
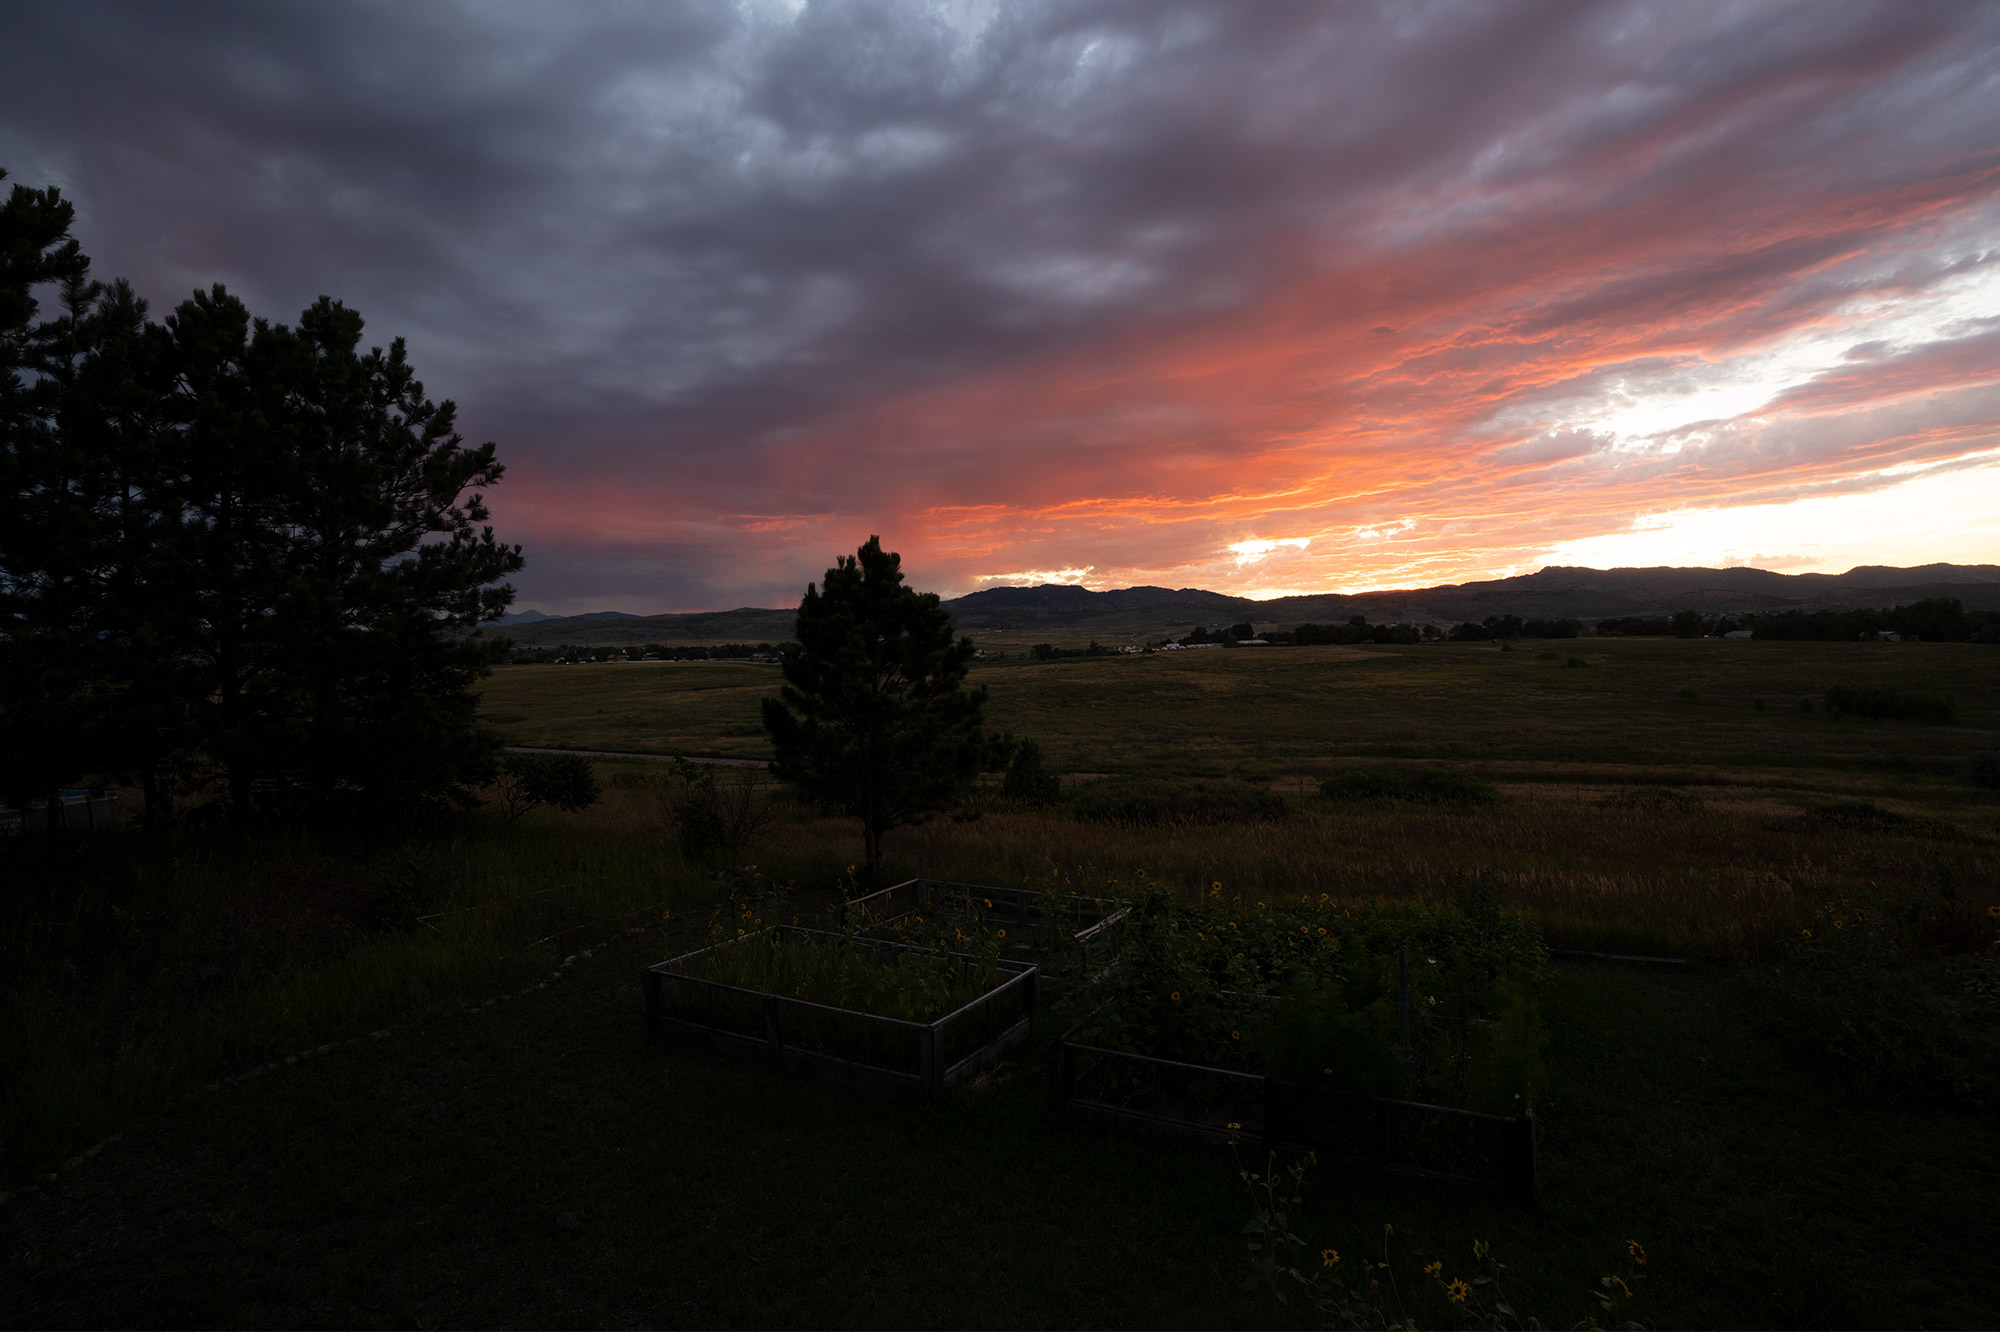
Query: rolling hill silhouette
{"points": [[1553, 593]]}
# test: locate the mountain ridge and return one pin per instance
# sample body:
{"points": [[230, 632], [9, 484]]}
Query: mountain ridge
{"points": [[1553, 592]]}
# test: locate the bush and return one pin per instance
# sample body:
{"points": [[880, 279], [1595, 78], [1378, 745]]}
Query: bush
{"points": [[1154, 801], [1028, 778], [1985, 768], [565, 781], [1885, 702], [1404, 999], [706, 814], [1429, 786], [1851, 999]]}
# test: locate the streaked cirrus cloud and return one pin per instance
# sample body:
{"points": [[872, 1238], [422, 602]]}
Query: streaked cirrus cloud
{"points": [[1260, 297]]}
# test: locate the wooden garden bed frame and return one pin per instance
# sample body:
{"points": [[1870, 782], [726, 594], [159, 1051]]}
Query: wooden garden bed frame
{"points": [[1269, 1110], [685, 1005]]}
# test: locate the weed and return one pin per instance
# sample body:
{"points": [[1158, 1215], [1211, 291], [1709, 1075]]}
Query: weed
{"points": [[1359, 1291]]}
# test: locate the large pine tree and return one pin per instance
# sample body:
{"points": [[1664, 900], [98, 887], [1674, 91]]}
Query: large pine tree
{"points": [[234, 547]]}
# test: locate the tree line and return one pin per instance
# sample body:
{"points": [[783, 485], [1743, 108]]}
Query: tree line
{"points": [[1932, 619], [239, 556]]}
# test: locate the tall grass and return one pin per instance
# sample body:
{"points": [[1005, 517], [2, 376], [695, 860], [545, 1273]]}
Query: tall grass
{"points": [[1710, 877]]}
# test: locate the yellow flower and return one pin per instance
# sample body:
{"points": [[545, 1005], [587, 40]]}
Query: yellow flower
{"points": [[1322, 930], [1840, 925], [988, 902], [1434, 1267], [1458, 1291], [1234, 1035], [1638, 1252], [1806, 933], [1328, 1258], [1619, 1282], [1234, 1125], [1993, 910], [1175, 996], [1001, 933]]}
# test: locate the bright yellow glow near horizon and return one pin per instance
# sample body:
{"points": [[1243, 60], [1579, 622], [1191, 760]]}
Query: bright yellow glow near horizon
{"points": [[1948, 517]]}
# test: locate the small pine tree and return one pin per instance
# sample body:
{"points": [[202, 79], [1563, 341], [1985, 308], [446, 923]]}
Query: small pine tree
{"points": [[872, 719]]}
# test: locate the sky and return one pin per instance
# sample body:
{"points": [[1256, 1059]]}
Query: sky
{"points": [[1265, 298]]}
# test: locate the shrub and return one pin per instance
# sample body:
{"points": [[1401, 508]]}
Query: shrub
{"points": [[1029, 778], [1985, 768], [565, 781], [1885, 702], [1405, 999], [1429, 786], [1849, 998], [706, 814]]}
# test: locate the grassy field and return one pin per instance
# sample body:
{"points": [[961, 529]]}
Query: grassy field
{"points": [[1291, 712], [1633, 817], [512, 1153]]}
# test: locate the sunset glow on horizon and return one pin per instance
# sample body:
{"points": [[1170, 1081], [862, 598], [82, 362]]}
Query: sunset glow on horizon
{"points": [[1264, 299]]}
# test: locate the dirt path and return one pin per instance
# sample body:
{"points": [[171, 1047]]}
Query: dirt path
{"points": [[656, 758]]}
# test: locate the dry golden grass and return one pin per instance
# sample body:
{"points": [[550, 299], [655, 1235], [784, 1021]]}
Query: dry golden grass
{"points": [[1717, 871]]}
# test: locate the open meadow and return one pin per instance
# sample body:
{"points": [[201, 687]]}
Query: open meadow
{"points": [[396, 1074]]}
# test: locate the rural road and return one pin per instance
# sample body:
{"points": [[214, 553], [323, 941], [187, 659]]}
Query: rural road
{"points": [[656, 758]]}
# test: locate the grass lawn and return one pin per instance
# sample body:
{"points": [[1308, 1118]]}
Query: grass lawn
{"points": [[535, 1163]]}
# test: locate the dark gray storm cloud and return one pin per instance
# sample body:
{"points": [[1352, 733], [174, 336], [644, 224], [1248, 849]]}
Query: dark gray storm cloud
{"points": [[649, 248]]}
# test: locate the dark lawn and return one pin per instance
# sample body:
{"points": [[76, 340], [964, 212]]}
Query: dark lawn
{"points": [[536, 1164]]}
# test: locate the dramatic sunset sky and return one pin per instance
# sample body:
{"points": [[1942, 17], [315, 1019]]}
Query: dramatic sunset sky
{"points": [[1255, 297]]}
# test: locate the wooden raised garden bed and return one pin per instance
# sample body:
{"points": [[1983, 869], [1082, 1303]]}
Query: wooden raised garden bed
{"points": [[1441, 1143], [1071, 931], [843, 1044]]}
